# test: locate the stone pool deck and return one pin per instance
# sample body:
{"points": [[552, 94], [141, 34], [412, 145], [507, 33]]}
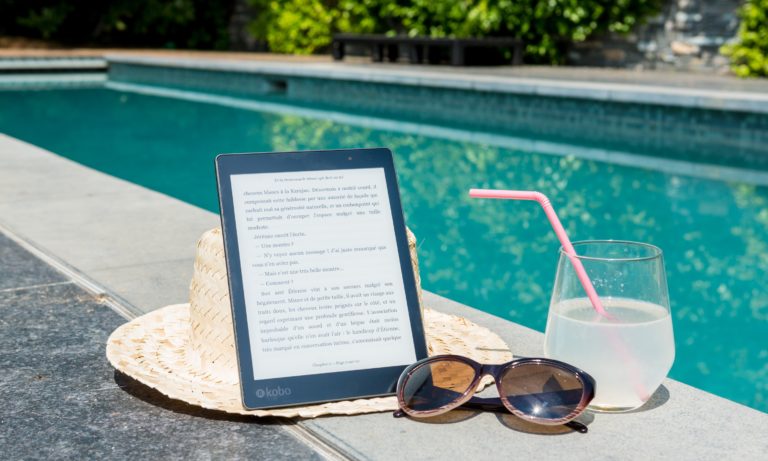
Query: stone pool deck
{"points": [[78, 247]]}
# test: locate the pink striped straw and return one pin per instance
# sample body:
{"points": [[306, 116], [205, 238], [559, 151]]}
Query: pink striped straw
{"points": [[581, 273]]}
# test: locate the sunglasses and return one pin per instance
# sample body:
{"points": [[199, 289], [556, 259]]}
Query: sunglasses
{"points": [[542, 391]]}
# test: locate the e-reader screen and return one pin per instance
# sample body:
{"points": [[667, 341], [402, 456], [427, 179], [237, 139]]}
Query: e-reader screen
{"points": [[320, 267]]}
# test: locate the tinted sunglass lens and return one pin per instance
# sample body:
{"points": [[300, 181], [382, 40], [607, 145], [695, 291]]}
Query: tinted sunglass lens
{"points": [[436, 385], [542, 391]]}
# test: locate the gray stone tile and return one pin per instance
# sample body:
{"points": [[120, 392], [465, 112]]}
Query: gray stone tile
{"points": [[94, 210], [72, 226], [18, 268], [149, 286], [32, 166], [61, 398]]}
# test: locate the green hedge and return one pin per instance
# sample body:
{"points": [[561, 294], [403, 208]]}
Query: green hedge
{"points": [[749, 56], [153, 23], [306, 26]]}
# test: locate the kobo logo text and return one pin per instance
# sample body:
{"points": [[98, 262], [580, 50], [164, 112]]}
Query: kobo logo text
{"points": [[272, 392]]}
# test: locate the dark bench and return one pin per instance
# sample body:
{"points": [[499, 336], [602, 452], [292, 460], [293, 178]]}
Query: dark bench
{"points": [[424, 49]]}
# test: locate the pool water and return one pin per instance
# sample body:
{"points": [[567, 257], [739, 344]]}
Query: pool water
{"points": [[498, 256]]}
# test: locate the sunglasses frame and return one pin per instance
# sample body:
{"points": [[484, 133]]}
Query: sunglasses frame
{"points": [[496, 372]]}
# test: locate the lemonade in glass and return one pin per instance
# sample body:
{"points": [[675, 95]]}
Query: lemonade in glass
{"points": [[628, 349]]}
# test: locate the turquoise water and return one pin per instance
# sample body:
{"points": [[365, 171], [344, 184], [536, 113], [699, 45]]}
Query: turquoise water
{"points": [[499, 256]]}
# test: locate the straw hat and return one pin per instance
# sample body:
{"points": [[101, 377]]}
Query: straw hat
{"points": [[187, 351]]}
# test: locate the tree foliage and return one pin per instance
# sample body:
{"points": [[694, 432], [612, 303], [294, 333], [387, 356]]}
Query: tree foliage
{"points": [[305, 26], [157, 23], [749, 56]]}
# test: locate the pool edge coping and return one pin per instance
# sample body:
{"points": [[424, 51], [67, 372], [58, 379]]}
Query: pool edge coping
{"points": [[711, 99]]}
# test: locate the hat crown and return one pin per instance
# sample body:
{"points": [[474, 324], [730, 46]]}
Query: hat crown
{"points": [[212, 339]]}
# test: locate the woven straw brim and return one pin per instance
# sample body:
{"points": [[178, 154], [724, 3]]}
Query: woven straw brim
{"points": [[154, 350]]}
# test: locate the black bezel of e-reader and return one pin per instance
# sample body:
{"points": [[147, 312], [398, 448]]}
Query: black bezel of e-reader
{"points": [[319, 387]]}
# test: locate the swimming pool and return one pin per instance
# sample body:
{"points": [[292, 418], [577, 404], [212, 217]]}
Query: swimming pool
{"points": [[711, 221]]}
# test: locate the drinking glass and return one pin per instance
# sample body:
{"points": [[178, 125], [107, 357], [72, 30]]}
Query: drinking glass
{"points": [[629, 350]]}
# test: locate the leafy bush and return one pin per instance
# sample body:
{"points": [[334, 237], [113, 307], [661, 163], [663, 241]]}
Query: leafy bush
{"points": [[306, 26], [47, 20], [175, 24], [547, 26], [293, 26], [749, 56]]}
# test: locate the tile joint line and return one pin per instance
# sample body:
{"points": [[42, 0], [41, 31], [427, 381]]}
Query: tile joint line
{"points": [[121, 306], [308, 437], [38, 285]]}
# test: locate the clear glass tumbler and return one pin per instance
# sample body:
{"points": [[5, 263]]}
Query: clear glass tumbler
{"points": [[629, 351]]}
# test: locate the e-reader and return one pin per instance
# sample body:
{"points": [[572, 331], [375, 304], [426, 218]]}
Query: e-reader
{"points": [[324, 299]]}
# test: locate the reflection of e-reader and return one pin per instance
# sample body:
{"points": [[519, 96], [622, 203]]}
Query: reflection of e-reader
{"points": [[323, 294]]}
